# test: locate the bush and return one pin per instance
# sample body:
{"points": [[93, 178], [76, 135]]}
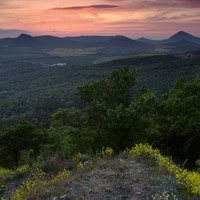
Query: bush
{"points": [[162, 186], [15, 139]]}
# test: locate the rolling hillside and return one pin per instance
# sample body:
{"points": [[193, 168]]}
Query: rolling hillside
{"points": [[28, 88], [109, 42]]}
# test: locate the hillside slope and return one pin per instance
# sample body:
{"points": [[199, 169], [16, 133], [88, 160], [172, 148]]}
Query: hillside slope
{"points": [[139, 173]]}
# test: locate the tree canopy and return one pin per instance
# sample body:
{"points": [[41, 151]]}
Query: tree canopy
{"points": [[15, 139], [178, 120], [118, 117]]}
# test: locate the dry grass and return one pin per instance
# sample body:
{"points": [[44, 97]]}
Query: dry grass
{"points": [[102, 176]]}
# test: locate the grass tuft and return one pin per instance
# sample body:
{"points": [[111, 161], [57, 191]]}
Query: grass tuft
{"points": [[140, 170]]}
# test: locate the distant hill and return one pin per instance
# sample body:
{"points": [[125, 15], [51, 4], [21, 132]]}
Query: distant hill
{"points": [[149, 41], [6, 42], [115, 45], [116, 42], [184, 45], [25, 40], [86, 39], [50, 40], [181, 35], [122, 41]]}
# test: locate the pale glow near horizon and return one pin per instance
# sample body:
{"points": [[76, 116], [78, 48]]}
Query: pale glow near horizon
{"points": [[154, 19]]}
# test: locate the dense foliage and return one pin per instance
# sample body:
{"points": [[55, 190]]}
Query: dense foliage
{"points": [[18, 140], [119, 119], [116, 112], [33, 92], [177, 123]]}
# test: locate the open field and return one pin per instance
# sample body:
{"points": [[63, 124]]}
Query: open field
{"points": [[42, 57], [74, 52], [108, 59], [163, 48]]}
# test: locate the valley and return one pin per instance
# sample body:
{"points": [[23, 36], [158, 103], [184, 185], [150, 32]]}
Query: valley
{"points": [[88, 49], [40, 74]]}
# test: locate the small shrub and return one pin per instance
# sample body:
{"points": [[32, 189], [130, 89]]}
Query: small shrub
{"points": [[115, 182], [84, 157], [32, 188], [123, 155], [5, 173], [198, 164], [162, 187], [76, 157], [21, 172], [146, 160], [3, 188], [49, 163]]}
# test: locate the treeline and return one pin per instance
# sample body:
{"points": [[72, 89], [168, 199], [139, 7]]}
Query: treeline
{"points": [[34, 93], [118, 115]]}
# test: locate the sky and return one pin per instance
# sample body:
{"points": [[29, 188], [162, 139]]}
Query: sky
{"points": [[153, 19]]}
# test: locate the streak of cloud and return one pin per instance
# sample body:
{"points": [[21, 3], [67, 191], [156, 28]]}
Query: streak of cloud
{"points": [[157, 3], [125, 17], [85, 7]]}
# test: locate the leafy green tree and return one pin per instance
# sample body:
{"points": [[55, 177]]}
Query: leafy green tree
{"points": [[14, 139], [111, 91], [177, 127], [123, 127], [119, 119], [114, 117], [69, 132]]}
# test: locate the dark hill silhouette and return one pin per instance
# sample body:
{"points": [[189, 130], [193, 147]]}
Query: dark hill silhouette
{"points": [[25, 40], [86, 39], [184, 45], [5, 42], [149, 41], [107, 41], [57, 41], [118, 41], [181, 35]]}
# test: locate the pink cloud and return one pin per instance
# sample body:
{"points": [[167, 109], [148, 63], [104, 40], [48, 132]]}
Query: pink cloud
{"points": [[86, 7], [106, 17], [191, 3], [157, 3]]}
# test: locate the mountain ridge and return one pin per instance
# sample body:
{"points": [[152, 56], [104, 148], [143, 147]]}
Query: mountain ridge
{"points": [[174, 38], [118, 42], [183, 35], [25, 40], [184, 45]]}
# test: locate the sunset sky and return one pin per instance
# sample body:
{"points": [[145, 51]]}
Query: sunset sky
{"points": [[154, 19]]}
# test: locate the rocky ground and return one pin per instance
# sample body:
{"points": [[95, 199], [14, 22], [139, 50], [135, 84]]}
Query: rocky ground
{"points": [[111, 180]]}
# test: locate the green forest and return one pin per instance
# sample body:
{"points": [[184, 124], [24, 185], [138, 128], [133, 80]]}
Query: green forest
{"points": [[57, 113], [72, 109], [34, 93]]}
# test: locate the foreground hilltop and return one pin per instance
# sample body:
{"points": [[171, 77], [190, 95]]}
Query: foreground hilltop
{"points": [[139, 173]]}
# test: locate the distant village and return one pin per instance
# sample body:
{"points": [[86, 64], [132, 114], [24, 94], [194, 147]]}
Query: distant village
{"points": [[188, 56], [53, 65]]}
